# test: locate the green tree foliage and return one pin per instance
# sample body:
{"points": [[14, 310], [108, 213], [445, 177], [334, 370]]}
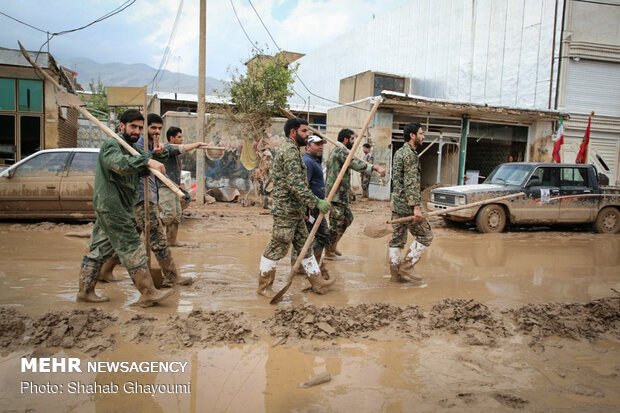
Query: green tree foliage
{"points": [[97, 103], [264, 88]]}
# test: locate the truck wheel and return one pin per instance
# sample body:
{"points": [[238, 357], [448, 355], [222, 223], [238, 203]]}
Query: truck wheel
{"points": [[491, 218], [608, 221]]}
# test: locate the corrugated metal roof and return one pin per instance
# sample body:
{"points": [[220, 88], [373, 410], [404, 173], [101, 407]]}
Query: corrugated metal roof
{"points": [[12, 57]]}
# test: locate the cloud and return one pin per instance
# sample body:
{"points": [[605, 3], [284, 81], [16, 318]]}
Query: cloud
{"points": [[140, 33]]}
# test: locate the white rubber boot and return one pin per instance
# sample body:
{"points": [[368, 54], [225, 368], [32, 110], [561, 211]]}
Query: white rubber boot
{"points": [[319, 285], [266, 275], [414, 253], [396, 259]]}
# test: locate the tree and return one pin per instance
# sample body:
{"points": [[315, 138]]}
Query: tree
{"points": [[97, 103]]}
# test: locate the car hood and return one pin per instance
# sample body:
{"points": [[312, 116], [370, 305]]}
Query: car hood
{"points": [[473, 189]]}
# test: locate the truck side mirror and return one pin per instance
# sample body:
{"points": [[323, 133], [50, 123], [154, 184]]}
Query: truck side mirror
{"points": [[534, 181]]}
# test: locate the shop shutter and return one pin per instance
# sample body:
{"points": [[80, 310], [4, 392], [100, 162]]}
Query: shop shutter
{"points": [[593, 86]]}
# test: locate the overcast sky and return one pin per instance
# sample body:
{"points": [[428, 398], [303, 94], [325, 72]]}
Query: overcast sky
{"points": [[140, 33]]}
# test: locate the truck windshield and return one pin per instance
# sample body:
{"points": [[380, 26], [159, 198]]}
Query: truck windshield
{"points": [[509, 174]]}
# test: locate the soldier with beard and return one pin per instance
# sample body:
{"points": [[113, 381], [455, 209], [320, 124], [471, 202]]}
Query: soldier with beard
{"points": [[340, 216], [115, 194], [291, 197]]}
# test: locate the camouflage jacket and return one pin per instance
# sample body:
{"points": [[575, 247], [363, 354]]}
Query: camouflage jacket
{"points": [[291, 194], [334, 165], [405, 180], [116, 178]]}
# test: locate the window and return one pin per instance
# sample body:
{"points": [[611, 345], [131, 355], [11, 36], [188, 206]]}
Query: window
{"points": [[43, 164], [382, 82], [21, 119], [547, 176], [7, 94], [30, 96], [83, 164], [574, 177]]}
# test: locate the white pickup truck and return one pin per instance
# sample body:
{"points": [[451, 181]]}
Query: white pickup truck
{"points": [[554, 194]]}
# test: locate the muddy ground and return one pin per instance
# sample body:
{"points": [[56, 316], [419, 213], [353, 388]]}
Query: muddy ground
{"points": [[526, 320]]}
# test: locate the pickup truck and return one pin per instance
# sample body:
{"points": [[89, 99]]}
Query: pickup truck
{"points": [[554, 194]]}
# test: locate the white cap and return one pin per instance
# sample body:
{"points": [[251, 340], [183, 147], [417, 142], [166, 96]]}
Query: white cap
{"points": [[315, 139]]}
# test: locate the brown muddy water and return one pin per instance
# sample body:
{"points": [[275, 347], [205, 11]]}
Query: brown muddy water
{"points": [[526, 320]]}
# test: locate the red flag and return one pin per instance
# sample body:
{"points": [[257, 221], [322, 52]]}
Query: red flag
{"points": [[559, 141], [583, 149]]}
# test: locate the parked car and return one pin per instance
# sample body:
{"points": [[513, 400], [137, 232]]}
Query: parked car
{"points": [[555, 193], [52, 183]]}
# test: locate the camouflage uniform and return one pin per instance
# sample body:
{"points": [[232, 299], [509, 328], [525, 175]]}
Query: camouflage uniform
{"points": [[169, 202], [340, 216], [405, 195], [157, 231], [369, 158], [291, 196]]}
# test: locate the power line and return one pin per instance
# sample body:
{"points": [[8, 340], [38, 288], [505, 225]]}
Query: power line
{"points": [[24, 23], [296, 75], [168, 51], [255, 47]]}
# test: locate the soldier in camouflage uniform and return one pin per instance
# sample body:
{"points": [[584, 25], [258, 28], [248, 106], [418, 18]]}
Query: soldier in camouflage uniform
{"points": [[406, 201], [368, 158], [291, 196], [340, 216], [157, 230], [115, 193]]}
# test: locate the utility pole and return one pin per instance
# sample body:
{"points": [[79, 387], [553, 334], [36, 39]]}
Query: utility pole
{"points": [[200, 124]]}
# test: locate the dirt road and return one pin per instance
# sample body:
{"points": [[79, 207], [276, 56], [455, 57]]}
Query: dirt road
{"points": [[525, 321]]}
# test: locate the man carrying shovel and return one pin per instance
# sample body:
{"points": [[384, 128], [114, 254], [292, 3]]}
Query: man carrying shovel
{"points": [[407, 201], [341, 217], [115, 194], [291, 196]]}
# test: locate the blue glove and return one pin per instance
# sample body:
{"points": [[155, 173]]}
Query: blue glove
{"points": [[324, 206]]}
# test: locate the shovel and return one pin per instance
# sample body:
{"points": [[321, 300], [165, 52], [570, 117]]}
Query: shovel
{"points": [[315, 228], [381, 229]]}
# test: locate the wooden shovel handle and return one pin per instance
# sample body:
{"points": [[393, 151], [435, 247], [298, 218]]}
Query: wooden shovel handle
{"points": [[458, 208], [332, 193]]}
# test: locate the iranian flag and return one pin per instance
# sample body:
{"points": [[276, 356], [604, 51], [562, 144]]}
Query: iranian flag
{"points": [[559, 141], [582, 156]]}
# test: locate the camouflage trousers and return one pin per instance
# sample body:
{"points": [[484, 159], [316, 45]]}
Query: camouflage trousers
{"points": [[116, 232], [420, 230], [365, 184], [321, 238], [157, 231], [340, 218], [286, 231], [170, 205]]}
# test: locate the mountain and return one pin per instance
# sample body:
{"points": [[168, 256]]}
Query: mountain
{"points": [[138, 74]]}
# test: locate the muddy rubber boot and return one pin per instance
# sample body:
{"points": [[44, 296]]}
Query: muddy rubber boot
{"points": [[171, 274], [267, 273], [414, 253], [300, 270], [319, 285], [106, 274], [395, 262], [331, 251], [322, 265], [144, 283], [88, 279], [171, 233]]}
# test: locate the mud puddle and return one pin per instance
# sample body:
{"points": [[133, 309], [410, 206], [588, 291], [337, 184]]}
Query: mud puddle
{"points": [[518, 321]]}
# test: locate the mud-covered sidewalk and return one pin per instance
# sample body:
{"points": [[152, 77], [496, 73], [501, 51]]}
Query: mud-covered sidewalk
{"points": [[525, 320]]}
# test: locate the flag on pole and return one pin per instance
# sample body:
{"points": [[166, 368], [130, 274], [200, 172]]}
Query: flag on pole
{"points": [[559, 141], [582, 156]]}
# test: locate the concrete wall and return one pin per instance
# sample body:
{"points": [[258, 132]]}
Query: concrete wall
{"points": [[227, 171]]}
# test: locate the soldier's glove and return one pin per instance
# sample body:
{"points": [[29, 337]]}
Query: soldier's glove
{"points": [[188, 196], [324, 206]]}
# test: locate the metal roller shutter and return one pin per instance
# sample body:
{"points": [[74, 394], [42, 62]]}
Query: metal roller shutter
{"points": [[593, 86]]}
